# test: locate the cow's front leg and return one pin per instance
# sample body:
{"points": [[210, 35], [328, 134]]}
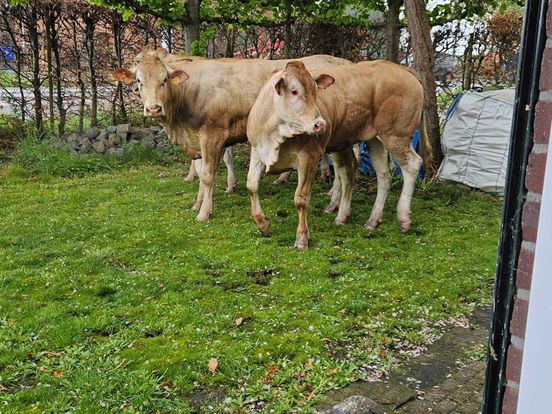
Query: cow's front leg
{"points": [[228, 159], [253, 178], [345, 164], [211, 142], [306, 173]]}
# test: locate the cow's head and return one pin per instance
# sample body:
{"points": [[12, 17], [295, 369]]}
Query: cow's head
{"points": [[295, 100], [152, 78]]}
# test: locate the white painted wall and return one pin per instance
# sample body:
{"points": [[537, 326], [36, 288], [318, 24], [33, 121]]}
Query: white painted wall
{"points": [[535, 389]]}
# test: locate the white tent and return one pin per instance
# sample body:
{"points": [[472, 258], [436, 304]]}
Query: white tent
{"points": [[476, 139]]}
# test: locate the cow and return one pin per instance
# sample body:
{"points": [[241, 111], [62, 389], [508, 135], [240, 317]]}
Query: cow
{"points": [[203, 104], [300, 115]]}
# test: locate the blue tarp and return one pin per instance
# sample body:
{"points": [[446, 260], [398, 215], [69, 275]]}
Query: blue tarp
{"points": [[7, 52], [365, 166]]}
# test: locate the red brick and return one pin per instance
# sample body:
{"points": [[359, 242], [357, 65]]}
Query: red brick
{"points": [[518, 323], [513, 363], [543, 118], [530, 220], [525, 269], [534, 178], [545, 83], [509, 404]]}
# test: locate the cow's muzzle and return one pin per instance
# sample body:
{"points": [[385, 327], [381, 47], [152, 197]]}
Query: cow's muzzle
{"points": [[319, 126], [153, 111]]}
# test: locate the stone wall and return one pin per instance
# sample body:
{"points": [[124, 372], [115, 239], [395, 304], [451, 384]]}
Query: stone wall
{"points": [[113, 139]]}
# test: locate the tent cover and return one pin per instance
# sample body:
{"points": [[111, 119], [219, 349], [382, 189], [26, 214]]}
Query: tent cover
{"points": [[476, 139]]}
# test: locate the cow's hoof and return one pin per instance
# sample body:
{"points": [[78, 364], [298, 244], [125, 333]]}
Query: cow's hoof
{"points": [[265, 229], [331, 208], [404, 226], [230, 189], [371, 224], [189, 179], [340, 221], [202, 217], [301, 245], [280, 181], [196, 206]]}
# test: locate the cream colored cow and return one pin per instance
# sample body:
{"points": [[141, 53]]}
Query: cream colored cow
{"points": [[300, 115], [203, 104]]}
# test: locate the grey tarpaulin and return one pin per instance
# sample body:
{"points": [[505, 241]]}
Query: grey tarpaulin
{"points": [[476, 139]]}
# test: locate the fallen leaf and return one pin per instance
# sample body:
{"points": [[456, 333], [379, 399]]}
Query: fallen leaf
{"points": [[325, 340], [167, 384], [271, 371], [213, 364], [53, 354], [31, 356], [238, 321], [332, 371], [309, 365], [10, 323], [41, 368], [57, 374], [382, 353], [343, 311]]}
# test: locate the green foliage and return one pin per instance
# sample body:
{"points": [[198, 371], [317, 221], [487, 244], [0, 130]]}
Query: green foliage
{"points": [[115, 299], [49, 157]]}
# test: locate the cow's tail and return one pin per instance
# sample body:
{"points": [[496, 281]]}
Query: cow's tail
{"points": [[427, 149]]}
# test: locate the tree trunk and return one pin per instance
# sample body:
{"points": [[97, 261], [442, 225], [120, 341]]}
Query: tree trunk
{"points": [[57, 59], [393, 30], [49, 66], [80, 82], [424, 57], [192, 28], [287, 32], [117, 40], [32, 29], [90, 23]]}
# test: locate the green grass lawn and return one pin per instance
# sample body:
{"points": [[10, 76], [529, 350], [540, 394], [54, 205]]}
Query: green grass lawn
{"points": [[113, 299]]}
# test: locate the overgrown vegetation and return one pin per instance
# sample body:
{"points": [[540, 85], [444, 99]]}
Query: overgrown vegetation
{"points": [[112, 298]]}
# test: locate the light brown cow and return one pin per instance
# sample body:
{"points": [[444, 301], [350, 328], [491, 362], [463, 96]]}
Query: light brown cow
{"points": [[379, 102], [203, 104]]}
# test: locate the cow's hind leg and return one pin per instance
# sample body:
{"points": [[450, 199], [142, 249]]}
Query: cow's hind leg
{"points": [[345, 164], [253, 178], [306, 173], [197, 164], [228, 159], [380, 161], [211, 143], [282, 178], [410, 163], [191, 172], [334, 193]]}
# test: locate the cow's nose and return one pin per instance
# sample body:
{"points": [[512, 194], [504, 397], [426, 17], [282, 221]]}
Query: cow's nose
{"points": [[319, 125], [153, 109]]}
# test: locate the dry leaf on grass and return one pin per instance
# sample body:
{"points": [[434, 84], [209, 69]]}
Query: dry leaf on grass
{"points": [[213, 364], [53, 354], [57, 374], [238, 321]]}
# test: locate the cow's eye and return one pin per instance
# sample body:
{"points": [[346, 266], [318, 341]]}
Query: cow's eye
{"points": [[294, 92]]}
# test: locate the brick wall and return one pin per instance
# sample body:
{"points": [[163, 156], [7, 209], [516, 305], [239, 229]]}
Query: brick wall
{"points": [[530, 221]]}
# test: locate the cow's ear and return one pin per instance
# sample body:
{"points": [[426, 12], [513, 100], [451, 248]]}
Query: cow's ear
{"points": [[280, 86], [178, 76], [323, 81], [124, 75]]}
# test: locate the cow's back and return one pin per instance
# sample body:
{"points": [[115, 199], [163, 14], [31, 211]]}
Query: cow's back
{"points": [[369, 98]]}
